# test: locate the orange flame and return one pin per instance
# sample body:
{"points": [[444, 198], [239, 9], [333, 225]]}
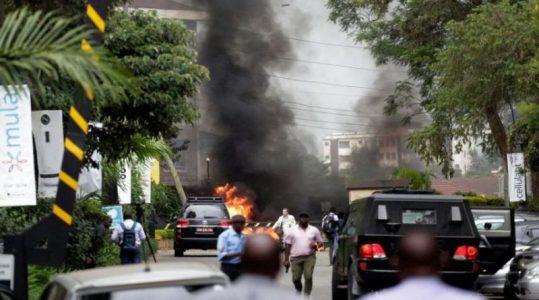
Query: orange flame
{"points": [[236, 203]]}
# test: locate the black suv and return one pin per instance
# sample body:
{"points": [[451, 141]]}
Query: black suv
{"points": [[373, 225], [201, 222]]}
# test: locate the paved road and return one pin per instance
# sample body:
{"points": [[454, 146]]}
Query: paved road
{"points": [[322, 271]]}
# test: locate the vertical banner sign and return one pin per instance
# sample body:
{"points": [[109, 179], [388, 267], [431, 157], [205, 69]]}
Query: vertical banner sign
{"points": [[517, 179], [115, 214], [91, 178], [124, 185], [146, 180], [17, 178], [49, 140]]}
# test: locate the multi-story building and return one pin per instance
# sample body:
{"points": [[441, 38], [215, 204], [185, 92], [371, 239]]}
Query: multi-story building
{"points": [[192, 163], [388, 148]]}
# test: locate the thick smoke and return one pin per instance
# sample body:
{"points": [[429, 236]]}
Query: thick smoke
{"points": [[370, 110], [255, 147]]}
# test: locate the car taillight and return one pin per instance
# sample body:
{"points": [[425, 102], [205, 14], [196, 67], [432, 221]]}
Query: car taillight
{"points": [[372, 251], [182, 223], [225, 223], [466, 253]]}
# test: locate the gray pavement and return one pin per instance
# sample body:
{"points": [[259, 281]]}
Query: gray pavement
{"points": [[322, 271]]}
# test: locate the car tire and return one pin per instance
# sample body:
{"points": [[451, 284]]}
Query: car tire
{"points": [[179, 252], [508, 292], [336, 292]]}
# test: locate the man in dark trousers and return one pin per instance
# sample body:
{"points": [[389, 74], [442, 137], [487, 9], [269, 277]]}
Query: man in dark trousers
{"points": [[230, 246], [129, 236], [261, 265], [300, 253]]}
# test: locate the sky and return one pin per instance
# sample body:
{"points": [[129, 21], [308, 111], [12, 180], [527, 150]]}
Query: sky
{"points": [[316, 39]]}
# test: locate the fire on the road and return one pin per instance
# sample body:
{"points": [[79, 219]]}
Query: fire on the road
{"points": [[238, 204]]}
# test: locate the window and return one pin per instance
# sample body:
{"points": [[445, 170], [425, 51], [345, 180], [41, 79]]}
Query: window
{"points": [[205, 212], [416, 216], [381, 156], [388, 156], [344, 144], [393, 156]]}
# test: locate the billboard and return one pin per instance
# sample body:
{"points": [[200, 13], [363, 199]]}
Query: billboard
{"points": [[516, 177], [17, 178], [49, 140], [124, 184]]}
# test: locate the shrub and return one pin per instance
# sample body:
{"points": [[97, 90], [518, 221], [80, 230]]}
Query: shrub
{"points": [[481, 200]]}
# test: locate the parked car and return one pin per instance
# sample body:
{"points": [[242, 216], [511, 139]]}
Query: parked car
{"points": [[157, 281], [201, 222], [527, 286], [496, 230], [374, 225], [516, 270]]}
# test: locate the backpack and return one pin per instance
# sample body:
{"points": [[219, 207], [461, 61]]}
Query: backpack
{"points": [[129, 239]]}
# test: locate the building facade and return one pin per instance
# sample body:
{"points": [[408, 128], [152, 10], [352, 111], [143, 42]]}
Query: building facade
{"points": [[389, 149]]}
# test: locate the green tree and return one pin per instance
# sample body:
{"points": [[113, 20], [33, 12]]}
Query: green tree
{"points": [[418, 180], [526, 135], [161, 54], [473, 61], [42, 50]]}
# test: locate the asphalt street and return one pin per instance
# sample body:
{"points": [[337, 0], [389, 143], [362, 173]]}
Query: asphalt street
{"points": [[322, 271]]}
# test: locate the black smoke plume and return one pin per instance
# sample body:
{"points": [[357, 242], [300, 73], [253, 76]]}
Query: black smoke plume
{"points": [[254, 146]]}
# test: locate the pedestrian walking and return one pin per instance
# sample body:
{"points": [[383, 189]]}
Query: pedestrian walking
{"points": [[300, 253], [330, 226], [419, 262], [129, 236], [230, 246], [285, 223], [260, 264]]}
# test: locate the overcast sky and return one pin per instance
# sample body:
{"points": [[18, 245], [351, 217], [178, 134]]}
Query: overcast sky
{"points": [[324, 42]]}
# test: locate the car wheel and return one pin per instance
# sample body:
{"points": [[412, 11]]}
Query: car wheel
{"points": [[336, 292], [178, 252]]}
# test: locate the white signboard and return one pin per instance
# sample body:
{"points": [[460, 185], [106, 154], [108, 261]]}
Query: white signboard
{"points": [[124, 185], [146, 180], [49, 141], [7, 270], [517, 179], [17, 178]]}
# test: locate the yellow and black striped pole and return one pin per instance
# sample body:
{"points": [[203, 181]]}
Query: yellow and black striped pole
{"points": [[45, 243]]}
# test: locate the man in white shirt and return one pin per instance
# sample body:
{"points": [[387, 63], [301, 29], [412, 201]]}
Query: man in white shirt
{"points": [[261, 264], [129, 236], [419, 262], [285, 223]]}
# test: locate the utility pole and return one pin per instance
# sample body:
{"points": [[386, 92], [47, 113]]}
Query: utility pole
{"points": [[208, 160]]}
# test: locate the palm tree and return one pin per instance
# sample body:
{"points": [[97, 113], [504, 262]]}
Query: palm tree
{"points": [[43, 49]]}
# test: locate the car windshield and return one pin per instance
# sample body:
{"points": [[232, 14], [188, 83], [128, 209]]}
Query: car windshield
{"points": [[205, 212]]}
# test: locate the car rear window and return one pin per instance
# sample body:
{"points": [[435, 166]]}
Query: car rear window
{"points": [[408, 216], [202, 211], [419, 216]]}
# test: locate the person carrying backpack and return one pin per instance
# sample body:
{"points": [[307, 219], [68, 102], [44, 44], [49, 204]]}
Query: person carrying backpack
{"points": [[330, 226], [129, 236]]}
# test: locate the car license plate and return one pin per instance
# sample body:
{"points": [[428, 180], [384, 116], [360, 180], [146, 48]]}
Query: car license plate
{"points": [[204, 230]]}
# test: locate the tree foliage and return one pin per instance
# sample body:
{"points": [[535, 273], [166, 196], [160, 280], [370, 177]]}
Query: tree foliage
{"points": [[471, 60], [162, 56], [418, 180], [43, 49]]}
